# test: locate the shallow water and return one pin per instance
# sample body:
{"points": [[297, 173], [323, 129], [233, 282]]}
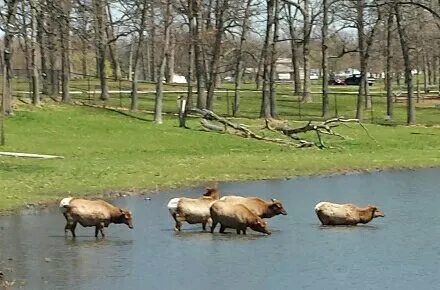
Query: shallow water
{"points": [[400, 251]]}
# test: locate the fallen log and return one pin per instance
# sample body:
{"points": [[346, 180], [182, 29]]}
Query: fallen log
{"points": [[323, 128], [30, 155], [243, 129]]}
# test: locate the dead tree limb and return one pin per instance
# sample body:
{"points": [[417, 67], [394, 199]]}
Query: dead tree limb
{"points": [[208, 115], [323, 128]]}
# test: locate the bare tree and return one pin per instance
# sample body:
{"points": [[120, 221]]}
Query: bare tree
{"points": [[273, 58], [221, 8], [324, 60], [239, 62], [307, 30], [113, 48], [152, 40], [389, 61], [198, 54], [295, 53], [169, 68], [43, 45], [168, 21], [34, 47], [66, 6], [101, 39], [10, 30], [411, 112], [190, 69], [265, 111], [135, 64]]}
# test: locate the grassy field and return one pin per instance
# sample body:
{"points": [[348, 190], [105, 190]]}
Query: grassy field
{"points": [[105, 151]]}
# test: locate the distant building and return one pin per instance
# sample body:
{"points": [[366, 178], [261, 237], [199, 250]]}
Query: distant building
{"points": [[284, 69]]}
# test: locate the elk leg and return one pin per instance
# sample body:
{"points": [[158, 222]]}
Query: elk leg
{"points": [[214, 224], [179, 221], [72, 228]]}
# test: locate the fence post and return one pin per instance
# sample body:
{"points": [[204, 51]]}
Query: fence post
{"points": [[336, 106], [120, 94], [299, 107], [88, 87], [182, 113], [227, 103]]}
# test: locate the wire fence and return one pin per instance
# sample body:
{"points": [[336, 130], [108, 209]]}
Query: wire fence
{"points": [[86, 88]]}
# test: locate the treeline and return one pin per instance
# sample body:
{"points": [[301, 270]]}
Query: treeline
{"points": [[205, 40]]}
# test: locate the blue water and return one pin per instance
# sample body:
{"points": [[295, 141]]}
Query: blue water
{"points": [[400, 251]]}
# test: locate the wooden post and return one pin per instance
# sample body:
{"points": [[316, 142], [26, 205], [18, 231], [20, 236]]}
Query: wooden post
{"points": [[182, 111]]}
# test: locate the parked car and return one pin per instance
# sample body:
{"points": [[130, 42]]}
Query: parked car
{"points": [[336, 81], [355, 80]]}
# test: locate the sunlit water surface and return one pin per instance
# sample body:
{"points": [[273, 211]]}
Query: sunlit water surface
{"points": [[400, 251]]}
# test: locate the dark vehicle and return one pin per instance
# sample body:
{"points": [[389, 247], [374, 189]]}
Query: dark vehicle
{"points": [[335, 81], [355, 80]]}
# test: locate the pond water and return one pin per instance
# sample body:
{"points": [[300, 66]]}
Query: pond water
{"points": [[400, 251]]}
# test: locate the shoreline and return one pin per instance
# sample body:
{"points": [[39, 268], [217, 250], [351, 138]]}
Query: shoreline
{"points": [[113, 194]]}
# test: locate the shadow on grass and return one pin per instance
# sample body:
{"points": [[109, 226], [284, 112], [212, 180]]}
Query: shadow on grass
{"points": [[25, 168]]}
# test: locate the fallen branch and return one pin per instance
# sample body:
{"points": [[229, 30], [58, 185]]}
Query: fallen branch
{"points": [[325, 128], [212, 127], [30, 155], [211, 116]]}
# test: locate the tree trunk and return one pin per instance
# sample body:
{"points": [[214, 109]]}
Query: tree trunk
{"points": [[84, 52], [429, 64], [258, 74], [53, 72], [239, 63], [152, 59], [265, 111], [273, 57], [295, 53], [307, 97], [189, 77], [134, 95], [324, 61], [10, 24], [130, 61], [221, 6], [389, 73], [411, 110], [361, 44], [34, 46], [100, 10], [43, 45], [65, 51], [169, 69], [146, 68], [26, 45], [201, 100], [161, 71], [113, 48]]}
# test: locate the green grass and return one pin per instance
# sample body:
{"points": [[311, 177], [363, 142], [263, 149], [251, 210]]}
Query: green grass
{"points": [[105, 150]]}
